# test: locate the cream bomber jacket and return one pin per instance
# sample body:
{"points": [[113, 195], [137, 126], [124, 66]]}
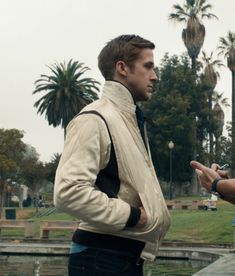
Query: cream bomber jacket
{"points": [[86, 152]]}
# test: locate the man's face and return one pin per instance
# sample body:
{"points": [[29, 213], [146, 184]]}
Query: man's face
{"points": [[141, 76]]}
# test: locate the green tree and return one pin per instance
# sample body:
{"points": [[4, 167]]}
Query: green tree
{"points": [[11, 154], [51, 167], [67, 92], [210, 76], [34, 174], [218, 117], [192, 13], [172, 118], [227, 47]]}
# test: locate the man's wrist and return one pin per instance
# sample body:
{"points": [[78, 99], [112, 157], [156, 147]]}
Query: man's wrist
{"points": [[134, 217], [214, 187]]}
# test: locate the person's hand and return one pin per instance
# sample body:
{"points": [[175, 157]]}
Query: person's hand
{"points": [[222, 173], [143, 218], [206, 175]]}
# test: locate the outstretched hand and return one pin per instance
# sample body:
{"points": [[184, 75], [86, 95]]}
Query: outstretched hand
{"points": [[206, 175]]}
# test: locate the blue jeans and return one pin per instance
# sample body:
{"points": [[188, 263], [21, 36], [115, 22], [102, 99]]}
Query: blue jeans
{"points": [[102, 262]]}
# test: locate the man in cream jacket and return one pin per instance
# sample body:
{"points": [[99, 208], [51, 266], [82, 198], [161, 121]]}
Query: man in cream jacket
{"points": [[105, 177]]}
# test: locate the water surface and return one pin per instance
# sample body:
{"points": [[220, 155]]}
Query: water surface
{"points": [[28, 265]]}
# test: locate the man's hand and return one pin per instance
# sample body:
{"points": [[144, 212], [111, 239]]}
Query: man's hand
{"points": [[143, 218], [206, 175], [222, 173]]}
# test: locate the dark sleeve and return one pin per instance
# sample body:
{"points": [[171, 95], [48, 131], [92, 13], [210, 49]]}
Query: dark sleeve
{"points": [[134, 217]]}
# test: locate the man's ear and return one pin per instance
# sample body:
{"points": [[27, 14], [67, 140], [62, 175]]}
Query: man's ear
{"points": [[121, 68]]}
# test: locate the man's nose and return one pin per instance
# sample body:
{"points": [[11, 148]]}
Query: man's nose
{"points": [[154, 76]]}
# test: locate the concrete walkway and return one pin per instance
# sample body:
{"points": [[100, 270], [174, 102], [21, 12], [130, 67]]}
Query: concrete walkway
{"points": [[224, 266], [223, 260]]}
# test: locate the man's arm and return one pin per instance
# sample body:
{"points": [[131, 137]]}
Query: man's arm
{"points": [[225, 187], [86, 152]]}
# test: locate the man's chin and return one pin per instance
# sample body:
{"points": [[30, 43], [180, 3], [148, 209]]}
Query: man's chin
{"points": [[148, 96]]}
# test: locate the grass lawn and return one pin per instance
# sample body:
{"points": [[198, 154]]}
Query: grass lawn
{"points": [[203, 226], [186, 225]]}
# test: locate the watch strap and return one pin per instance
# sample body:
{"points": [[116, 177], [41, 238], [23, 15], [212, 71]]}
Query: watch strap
{"points": [[214, 185]]}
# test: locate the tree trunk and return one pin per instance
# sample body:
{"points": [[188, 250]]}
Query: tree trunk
{"points": [[2, 185], [217, 148], [36, 200], [20, 197], [233, 124], [194, 180], [194, 65], [211, 152]]}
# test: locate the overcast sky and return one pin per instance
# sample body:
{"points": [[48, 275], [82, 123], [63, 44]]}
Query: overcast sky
{"points": [[36, 33]]}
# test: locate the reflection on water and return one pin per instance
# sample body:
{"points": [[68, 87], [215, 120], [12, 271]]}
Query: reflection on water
{"points": [[169, 267], [33, 265], [57, 266]]}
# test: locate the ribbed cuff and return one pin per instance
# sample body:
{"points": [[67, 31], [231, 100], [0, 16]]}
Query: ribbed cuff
{"points": [[134, 217]]}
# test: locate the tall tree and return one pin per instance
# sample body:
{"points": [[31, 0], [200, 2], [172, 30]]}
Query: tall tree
{"points": [[170, 118], [11, 154], [227, 47], [34, 174], [51, 167], [219, 122], [192, 13], [218, 118], [67, 92], [210, 76]]}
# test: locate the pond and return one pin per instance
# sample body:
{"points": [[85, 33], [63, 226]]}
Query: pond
{"points": [[28, 265]]}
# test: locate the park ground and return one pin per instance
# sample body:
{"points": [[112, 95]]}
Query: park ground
{"points": [[190, 226]]}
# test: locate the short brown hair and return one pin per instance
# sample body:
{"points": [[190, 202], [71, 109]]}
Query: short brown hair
{"points": [[125, 48]]}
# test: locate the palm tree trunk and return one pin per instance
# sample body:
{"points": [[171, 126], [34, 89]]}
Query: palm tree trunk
{"points": [[217, 148], [194, 180], [194, 65], [210, 131], [233, 124]]}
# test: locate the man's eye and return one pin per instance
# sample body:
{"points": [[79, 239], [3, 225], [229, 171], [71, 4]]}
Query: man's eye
{"points": [[149, 66]]}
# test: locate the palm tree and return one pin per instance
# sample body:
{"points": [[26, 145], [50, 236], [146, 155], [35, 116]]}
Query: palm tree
{"points": [[218, 115], [227, 47], [192, 13], [52, 166], [218, 98], [210, 77], [219, 121], [67, 92]]}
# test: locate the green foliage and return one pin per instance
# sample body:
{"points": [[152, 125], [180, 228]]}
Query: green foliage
{"points": [[67, 92], [227, 47], [179, 112], [175, 103], [191, 13], [11, 145], [51, 167], [11, 154]]}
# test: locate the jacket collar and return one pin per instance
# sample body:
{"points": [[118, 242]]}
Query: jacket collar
{"points": [[119, 95]]}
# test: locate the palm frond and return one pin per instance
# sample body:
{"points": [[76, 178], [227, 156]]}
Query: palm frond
{"points": [[67, 92]]}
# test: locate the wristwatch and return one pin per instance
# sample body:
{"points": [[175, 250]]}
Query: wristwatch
{"points": [[214, 185]]}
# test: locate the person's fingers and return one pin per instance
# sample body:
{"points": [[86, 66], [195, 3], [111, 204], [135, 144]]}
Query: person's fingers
{"points": [[215, 166], [199, 172], [223, 174], [197, 165]]}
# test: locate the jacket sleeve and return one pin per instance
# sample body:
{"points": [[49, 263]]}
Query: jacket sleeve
{"points": [[86, 152]]}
